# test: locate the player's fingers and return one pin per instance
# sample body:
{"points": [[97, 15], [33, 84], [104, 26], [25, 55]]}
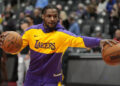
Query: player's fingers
{"points": [[109, 42], [102, 47], [113, 41], [2, 37], [102, 43]]}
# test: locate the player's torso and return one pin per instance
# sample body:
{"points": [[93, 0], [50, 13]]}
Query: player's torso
{"points": [[45, 42]]}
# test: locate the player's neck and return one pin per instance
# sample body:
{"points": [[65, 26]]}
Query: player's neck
{"points": [[45, 26], [47, 29]]}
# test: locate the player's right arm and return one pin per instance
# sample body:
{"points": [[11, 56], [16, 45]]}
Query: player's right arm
{"points": [[25, 38]]}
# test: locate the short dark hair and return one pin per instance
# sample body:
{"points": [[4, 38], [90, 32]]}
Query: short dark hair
{"points": [[50, 7], [72, 18], [24, 21], [31, 17]]}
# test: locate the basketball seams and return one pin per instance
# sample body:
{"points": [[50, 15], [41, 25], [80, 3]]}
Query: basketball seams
{"points": [[17, 38], [5, 41], [114, 51], [10, 44], [108, 48]]}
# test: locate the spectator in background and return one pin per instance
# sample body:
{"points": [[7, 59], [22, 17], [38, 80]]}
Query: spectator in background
{"points": [[8, 9], [91, 12], [81, 10], [3, 71], [117, 8], [118, 5], [93, 2], [3, 59], [64, 20], [41, 3], [8, 23], [0, 72], [21, 16], [63, 17], [109, 6], [101, 6], [28, 12], [1, 19], [23, 56], [98, 34], [29, 6], [74, 27], [30, 19], [37, 16], [114, 19], [117, 35]]}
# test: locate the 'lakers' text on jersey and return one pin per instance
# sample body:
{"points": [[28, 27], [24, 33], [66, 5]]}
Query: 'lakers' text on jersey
{"points": [[39, 44]]}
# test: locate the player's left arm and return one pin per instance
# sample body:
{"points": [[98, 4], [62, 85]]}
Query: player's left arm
{"points": [[73, 40], [83, 41], [91, 41]]}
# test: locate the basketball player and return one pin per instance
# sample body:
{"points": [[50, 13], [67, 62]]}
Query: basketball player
{"points": [[48, 41]]}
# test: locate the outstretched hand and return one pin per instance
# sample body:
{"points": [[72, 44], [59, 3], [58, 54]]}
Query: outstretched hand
{"points": [[108, 41]]}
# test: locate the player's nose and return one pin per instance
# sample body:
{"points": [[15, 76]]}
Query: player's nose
{"points": [[52, 18]]}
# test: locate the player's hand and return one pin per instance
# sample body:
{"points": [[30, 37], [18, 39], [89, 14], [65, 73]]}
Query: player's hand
{"points": [[108, 41]]}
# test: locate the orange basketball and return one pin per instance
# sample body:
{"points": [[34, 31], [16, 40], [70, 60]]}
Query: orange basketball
{"points": [[111, 54], [12, 42]]}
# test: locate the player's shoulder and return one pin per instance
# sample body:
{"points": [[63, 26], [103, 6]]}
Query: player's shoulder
{"points": [[63, 31], [34, 27], [66, 32]]}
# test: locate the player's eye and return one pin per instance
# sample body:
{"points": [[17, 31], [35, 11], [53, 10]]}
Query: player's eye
{"points": [[55, 16], [49, 16]]}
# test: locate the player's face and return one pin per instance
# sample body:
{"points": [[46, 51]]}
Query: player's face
{"points": [[50, 18]]}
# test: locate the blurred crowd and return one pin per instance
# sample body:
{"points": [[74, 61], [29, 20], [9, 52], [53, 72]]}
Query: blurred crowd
{"points": [[89, 17], [97, 18]]}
